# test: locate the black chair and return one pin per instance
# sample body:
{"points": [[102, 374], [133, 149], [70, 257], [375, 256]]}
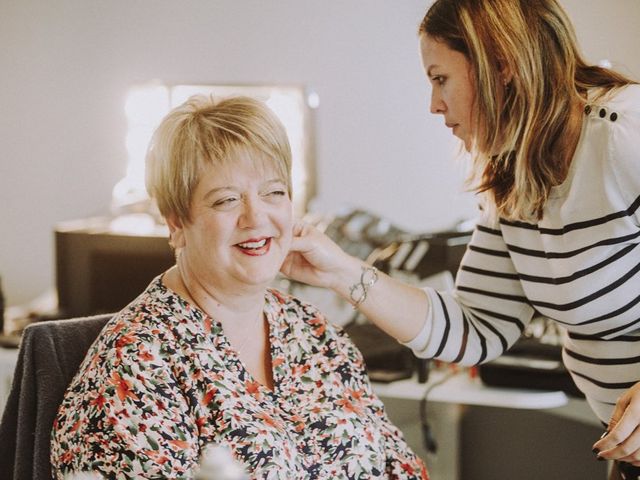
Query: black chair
{"points": [[50, 354]]}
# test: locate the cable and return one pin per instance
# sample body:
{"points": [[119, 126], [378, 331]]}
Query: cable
{"points": [[427, 434]]}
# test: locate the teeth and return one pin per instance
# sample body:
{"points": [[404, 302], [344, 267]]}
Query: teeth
{"points": [[259, 244]]}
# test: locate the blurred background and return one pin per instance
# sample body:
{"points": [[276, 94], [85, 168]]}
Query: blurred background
{"points": [[68, 67]]}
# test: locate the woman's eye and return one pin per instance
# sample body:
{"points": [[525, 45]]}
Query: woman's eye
{"points": [[225, 202], [439, 79], [275, 193]]}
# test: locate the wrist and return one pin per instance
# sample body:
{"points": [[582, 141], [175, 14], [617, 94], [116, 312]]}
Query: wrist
{"points": [[347, 276], [359, 291]]}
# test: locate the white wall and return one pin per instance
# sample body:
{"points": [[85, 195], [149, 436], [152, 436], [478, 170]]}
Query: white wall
{"points": [[66, 66]]}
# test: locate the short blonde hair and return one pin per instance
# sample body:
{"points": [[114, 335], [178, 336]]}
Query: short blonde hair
{"points": [[204, 131], [523, 120]]}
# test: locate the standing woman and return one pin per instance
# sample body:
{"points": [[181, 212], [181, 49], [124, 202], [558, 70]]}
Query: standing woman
{"points": [[555, 148]]}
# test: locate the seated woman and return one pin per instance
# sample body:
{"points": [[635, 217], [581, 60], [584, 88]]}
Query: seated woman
{"points": [[208, 353]]}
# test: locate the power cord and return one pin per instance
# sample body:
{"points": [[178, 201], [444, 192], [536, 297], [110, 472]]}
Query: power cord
{"points": [[428, 438]]}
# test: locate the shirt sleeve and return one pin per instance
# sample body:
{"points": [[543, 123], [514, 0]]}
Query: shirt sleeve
{"points": [[484, 314], [127, 417], [624, 146]]}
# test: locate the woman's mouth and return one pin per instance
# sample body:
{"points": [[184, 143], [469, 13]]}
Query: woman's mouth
{"points": [[255, 247]]}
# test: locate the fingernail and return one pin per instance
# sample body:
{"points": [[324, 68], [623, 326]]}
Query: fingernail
{"points": [[596, 451], [604, 434]]}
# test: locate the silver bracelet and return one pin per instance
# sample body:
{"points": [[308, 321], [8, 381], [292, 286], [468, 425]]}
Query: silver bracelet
{"points": [[358, 291]]}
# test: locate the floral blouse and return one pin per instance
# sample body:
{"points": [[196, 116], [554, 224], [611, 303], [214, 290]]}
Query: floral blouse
{"points": [[162, 381]]}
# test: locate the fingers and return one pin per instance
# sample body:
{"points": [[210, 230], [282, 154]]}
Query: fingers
{"points": [[302, 240], [622, 442], [619, 410], [300, 228], [300, 244], [287, 265], [613, 437], [627, 451]]}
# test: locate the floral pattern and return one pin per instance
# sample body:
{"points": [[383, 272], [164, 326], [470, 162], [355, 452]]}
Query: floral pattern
{"points": [[162, 381]]}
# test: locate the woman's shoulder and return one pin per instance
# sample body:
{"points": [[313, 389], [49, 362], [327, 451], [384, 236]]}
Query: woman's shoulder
{"points": [[298, 314], [290, 303], [616, 118], [152, 317], [303, 323], [614, 104]]}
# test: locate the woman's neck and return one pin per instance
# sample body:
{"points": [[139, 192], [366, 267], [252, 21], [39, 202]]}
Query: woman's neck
{"points": [[241, 316], [237, 309]]}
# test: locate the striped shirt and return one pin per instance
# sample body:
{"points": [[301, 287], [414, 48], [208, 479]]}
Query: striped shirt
{"points": [[579, 266]]}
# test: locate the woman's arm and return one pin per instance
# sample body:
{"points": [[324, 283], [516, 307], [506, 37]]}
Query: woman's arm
{"points": [[623, 439], [397, 308], [479, 320], [127, 415]]}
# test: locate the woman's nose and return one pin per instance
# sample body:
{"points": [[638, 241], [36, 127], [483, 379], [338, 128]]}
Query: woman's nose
{"points": [[437, 105], [252, 213]]}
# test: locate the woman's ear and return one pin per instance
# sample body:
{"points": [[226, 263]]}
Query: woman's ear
{"points": [[176, 231]]}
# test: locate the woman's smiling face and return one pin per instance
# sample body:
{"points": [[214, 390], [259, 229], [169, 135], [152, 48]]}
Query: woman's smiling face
{"points": [[240, 228]]}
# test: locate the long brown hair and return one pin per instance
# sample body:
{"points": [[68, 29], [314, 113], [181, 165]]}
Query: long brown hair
{"points": [[520, 147]]}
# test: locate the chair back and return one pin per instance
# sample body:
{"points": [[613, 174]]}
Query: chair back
{"points": [[49, 356]]}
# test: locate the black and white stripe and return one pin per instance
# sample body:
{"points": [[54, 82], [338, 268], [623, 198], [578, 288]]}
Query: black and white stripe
{"points": [[580, 266]]}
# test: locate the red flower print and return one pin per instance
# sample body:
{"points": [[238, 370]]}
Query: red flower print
{"points": [[67, 456], [99, 401], [408, 468], [201, 422], [145, 356], [157, 456], [348, 406], [126, 339], [299, 421], [355, 394], [117, 327], [269, 420], [179, 444], [253, 388], [76, 425], [209, 395], [123, 388]]}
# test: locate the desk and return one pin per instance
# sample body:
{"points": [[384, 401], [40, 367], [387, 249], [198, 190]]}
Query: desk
{"points": [[458, 425], [461, 389]]}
